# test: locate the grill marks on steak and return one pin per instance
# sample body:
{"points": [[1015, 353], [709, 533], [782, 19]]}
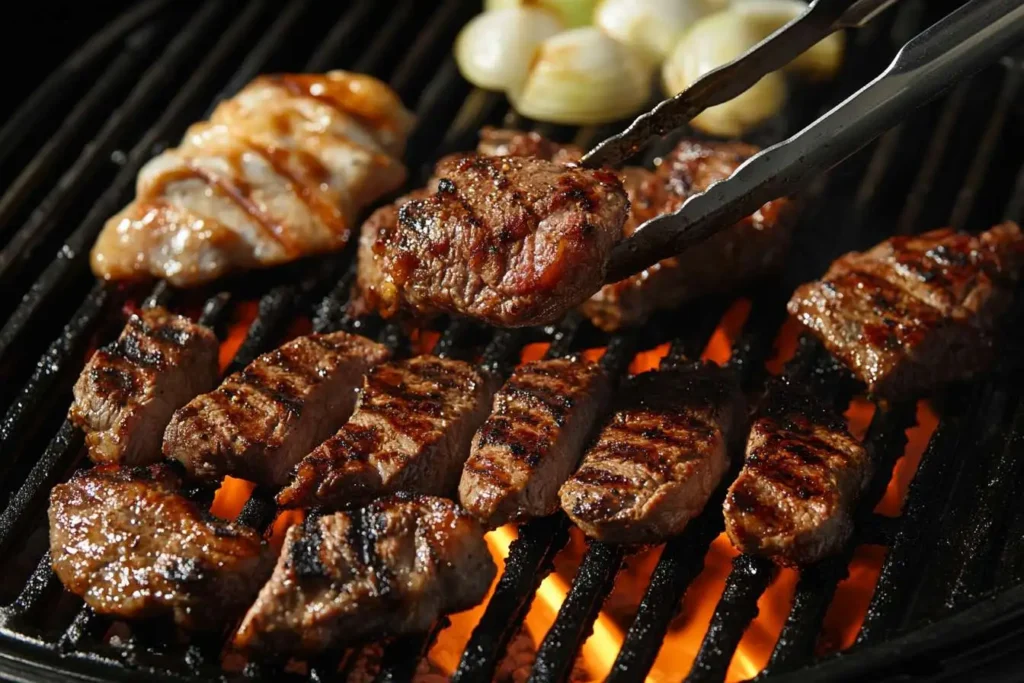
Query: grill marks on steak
{"points": [[128, 390], [392, 567], [532, 440], [127, 542], [262, 420], [657, 461], [913, 313], [513, 241], [750, 248], [794, 499], [411, 431]]}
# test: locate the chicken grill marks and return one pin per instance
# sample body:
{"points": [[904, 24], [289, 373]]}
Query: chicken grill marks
{"points": [[394, 566], [128, 390], [793, 501], [657, 461], [748, 249], [260, 421], [279, 171], [915, 312], [411, 431], [127, 542], [512, 241], [532, 441]]}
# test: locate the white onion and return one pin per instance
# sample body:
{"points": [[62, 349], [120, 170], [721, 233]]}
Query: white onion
{"points": [[573, 13], [651, 26], [583, 77], [495, 48], [819, 62], [710, 42]]}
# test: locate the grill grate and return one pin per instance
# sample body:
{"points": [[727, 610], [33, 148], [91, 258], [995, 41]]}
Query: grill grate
{"points": [[953, 164]]}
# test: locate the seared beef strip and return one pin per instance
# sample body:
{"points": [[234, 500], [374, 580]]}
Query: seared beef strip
{"points": [[506, 142], [128, 390], [411, 431], [914, 313], [392, 567], [127, 542], [259, 422], [660, 457], [748, 249], [532, 440], [513, 241], [795, 496]]}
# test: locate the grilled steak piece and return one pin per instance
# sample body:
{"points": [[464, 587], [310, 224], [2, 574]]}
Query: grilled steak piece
{"points": [[127, 542], [726, 260], [504, 142], [259, 422], [532, 441], [512, 241], [913, 313], [411, 431], [392, 567], [660, 457], [128, 390], [794, 498], [280, 171]]}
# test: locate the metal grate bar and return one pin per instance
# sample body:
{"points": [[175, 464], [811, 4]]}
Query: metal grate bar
{"points": [[342, 33]]}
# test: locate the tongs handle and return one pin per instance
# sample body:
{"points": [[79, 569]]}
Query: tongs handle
{"points": [[821, 18], [963, 42]]}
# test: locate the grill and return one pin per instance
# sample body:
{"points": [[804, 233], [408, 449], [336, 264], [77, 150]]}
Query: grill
{"points": [[949, 598]]}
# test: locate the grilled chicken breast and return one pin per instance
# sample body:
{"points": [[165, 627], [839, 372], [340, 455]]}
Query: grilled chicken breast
{"points": [[795, 496], [411, 431], [128, 390], [532, 440], [660, 457], [913, 313], [127, 542], [259, 422], [392, 567], [279, 171], [513, 241]]}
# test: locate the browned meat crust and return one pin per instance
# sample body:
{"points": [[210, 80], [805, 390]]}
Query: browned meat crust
{"points": [[411, 431], [794, 499], [127, 542], [532, 440], [260, 421], [660, 457], [502, 142], [914, 313], [392, 567], [128, 390]]}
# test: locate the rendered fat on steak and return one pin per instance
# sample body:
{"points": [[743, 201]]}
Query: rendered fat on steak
{"points": [[915, 312], [126, 541], [726, 260], [129, 389], [513, 241], [259, 422], [660, 457], [411, 431], [794, 499], [532, 440], [280, 171], [392, 567]]}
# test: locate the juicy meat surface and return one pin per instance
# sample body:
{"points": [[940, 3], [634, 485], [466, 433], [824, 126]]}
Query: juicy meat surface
{"points": [[532, 440], [279, 171], [392, 567], [502, 142], [660, 457], [129, 389], [914, 313], [513, 241], [726, 260], [411, 431], [794, 499], [259, 422], [127, 542]]}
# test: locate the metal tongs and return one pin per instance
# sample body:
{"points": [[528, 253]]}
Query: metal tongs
{"points": [[976, 34]]}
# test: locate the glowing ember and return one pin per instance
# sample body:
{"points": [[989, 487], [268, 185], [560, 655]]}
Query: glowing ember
{"points": [[244, 313], [230, 497]]}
